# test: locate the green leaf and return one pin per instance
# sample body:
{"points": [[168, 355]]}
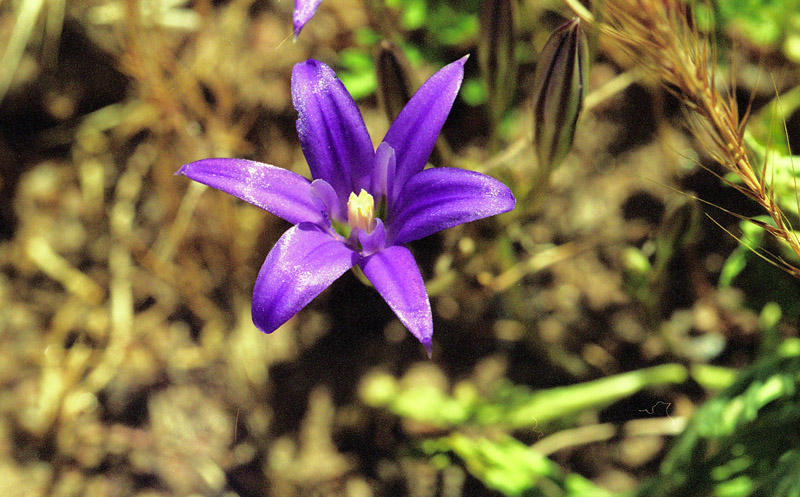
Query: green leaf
{"points": [[511, 405], [357, 73], [473, 92], [744, 441], [505, 464]]}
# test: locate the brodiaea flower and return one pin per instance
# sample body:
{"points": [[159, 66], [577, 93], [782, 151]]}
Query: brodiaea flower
{"points": [[304, 10], [363, 204]]}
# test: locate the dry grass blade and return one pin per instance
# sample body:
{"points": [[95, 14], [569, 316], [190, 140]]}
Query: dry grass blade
{"points": [[662, 36], [26, 15]]}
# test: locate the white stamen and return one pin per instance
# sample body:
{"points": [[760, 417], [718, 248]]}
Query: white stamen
{"points": [[361, 211]]}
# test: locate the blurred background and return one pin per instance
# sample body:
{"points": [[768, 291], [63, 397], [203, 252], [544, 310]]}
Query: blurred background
{"points": [[627, 329]]}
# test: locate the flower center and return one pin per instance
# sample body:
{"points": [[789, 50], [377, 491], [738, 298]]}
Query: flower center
{"points": [[361, 211]]}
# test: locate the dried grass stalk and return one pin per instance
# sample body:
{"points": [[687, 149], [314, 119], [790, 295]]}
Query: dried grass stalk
{"points": [[662, 36]]}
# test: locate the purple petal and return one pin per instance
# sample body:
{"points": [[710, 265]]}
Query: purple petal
{"points": [[304, 262], [395, 275], [384, 168], [276, 190], [413, 134], [332, 133], [443, 197], [326, 199], [304, 10], [375, 241]]}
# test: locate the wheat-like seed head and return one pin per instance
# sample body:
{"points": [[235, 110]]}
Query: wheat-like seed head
{"points": [[662, 36]]}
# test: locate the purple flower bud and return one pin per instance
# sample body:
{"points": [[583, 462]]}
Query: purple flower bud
{"points": [[559, 87]]}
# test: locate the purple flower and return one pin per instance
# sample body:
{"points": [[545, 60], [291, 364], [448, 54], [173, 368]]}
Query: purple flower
{"points": [[363, 204], [304, 10]]}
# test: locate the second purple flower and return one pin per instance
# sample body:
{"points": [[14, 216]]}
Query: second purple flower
{"points": [[363, 204], [304, 10]]}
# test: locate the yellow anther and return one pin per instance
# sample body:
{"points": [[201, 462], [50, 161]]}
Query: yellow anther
{"points": [[361, 211]]}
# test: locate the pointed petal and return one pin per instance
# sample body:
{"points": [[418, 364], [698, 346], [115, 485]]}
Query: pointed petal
{"points": [[332, 133], [304, 10], [394, 273], [375, 241], [440, 198], [276, 190], [326, 199], [304, 262], [384, 168], [413, 134]]}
